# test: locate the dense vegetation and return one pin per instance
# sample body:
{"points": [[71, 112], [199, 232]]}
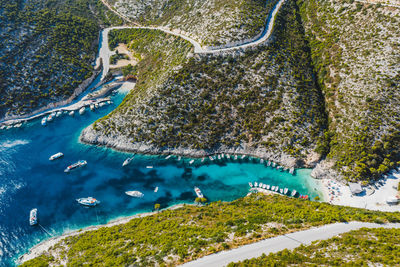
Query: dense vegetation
{"points": [[364, 247], [264, 99], [174, 236], [355, 52], [212, 22], [47, 50]]}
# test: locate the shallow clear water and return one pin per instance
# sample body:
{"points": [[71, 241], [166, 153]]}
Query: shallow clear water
{"points": [[29, 180]]}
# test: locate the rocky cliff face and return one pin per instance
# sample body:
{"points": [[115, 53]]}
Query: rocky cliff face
{"points": [[356, 54], [262, 102]]}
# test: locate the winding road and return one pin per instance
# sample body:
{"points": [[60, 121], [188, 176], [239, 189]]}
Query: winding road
{"points": [[289, 241]]}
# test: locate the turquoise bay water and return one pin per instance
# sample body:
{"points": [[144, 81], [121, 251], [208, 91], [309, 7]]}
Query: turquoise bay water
{"points": [[29, 180]]}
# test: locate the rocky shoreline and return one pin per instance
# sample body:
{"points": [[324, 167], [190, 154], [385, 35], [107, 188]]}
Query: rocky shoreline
{"points": [[121, 143]]}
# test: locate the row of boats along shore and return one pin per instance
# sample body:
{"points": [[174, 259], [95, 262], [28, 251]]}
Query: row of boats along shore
{"points": [[219, 158], [275, 189]]}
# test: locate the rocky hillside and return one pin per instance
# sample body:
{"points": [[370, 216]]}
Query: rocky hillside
{"points": [[211, 22], [263, 102], [356, 55], [46, 51]]}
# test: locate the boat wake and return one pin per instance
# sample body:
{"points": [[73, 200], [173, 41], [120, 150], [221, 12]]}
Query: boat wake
{"points": [[11, 144]]}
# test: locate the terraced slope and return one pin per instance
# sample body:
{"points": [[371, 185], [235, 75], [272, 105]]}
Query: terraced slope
{"points": [[356, 54], [46, 51], [262, 102], [212, 22]]}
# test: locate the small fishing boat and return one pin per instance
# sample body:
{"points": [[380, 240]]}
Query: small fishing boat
{"points": [[91, 107], [273, 188], [281, 191], [56, 156], [33, 217], [268, 187], [291, 171], [261, 161], [198, 192], [168, 156], [156, 189], [260, 185], [202, 160], [179, 158], [127, 161], [149, 167], [293, 194], [243, 156], [191, 162], [255, 184], [78, 164], [273, 164], [285, 191], [269, 163], [51, 117], [88, 201], [58, 114], [219, 156], [250, 184], [211, 158], [82, 110], [96, 105], [44, 121], [135, 193], [276, 188], [72, 113], [235, 157], [222, 156], [228, 156], [264, 186]]}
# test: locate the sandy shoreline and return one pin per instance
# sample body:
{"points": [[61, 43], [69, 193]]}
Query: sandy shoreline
{"points": [[338, 193], [48, 243]]}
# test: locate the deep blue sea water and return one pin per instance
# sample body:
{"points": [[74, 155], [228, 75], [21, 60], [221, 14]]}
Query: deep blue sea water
{"points": [[29, 180]]}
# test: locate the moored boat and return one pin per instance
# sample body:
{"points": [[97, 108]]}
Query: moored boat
{"points": [[88, 201], [44, 121], [285, 191], [156, 189], [281, 191], [168, 156], [78, 164], [33, 217], [255, 184], [82, 110], [136, 193], [127, 161], [276, 188], [191, 162], [264, 186], [56, 156], [72, 113], [268, 187], [250, 184], [198, 192], [273, 188], [293, 194]]}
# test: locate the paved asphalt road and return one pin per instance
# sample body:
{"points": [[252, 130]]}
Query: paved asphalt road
{"points": [[289, 241]]}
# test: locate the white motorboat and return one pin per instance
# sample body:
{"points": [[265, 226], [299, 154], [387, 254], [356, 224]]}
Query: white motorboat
{"points": [[235, 158], [285, 191], [51, 117], [135, 193], [260, 185], [156, 189], [44, 121], [273, 188], [255, 184], [56, 156], [127, 161], [250, 184], [91, 107], [243, 156], [268, 187], [179, 158], [33, 217], [294, 192], [58, 114], [264, 186], [198, 192], [82, 110], [269, 163], [78, 164], [281, 191], [261, 161], [168, 156], [191, 162], [211, 158], [88, 201], [149, 167], [276, 188], [72, 113]]}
